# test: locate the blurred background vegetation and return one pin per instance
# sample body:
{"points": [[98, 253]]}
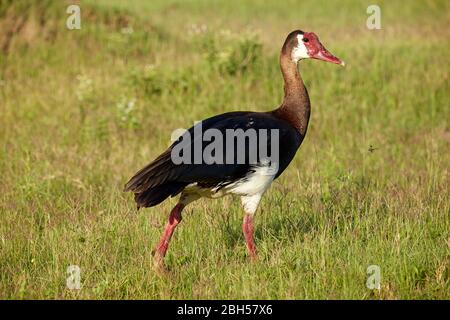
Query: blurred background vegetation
{"points": [[82, 110]]}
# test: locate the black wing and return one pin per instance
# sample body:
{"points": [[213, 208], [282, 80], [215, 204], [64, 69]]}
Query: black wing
{"points": [[163, 178]]}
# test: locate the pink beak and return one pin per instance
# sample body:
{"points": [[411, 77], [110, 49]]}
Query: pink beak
{"points": [[319, 52], [325, 55]]}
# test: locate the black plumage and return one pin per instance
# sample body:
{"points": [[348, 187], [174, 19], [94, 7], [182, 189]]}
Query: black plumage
{"points": [[162, 178]]}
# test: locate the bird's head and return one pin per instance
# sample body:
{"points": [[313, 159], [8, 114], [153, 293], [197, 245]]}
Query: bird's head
{"points": [[304, 45]]}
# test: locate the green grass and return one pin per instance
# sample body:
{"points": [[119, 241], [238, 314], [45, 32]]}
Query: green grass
{"points": [[69, 142]]}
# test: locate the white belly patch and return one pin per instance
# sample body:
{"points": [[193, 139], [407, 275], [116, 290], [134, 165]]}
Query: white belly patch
{"points": [[254, 183]]}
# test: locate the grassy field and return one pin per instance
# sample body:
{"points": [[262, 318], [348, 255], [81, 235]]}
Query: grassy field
{"points": [[82, 110]]}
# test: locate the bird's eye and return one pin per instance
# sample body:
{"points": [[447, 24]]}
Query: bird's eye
{"points": [[305, 39]]}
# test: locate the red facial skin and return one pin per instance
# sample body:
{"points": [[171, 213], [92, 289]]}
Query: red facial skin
{"points": [[316, 50]]}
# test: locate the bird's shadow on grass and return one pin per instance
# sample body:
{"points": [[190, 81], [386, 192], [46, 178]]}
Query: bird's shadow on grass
{"points": [[279, 229], [284, 228]]}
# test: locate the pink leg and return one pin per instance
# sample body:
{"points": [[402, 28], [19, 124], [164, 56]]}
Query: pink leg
{"points": [[174, 219], [247, 228]]}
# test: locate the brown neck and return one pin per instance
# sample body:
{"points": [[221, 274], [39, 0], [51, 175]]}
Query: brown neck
{"points": [[296, 107]]}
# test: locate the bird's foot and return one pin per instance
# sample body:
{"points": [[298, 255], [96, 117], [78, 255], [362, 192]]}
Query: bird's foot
{"points": [[158, 264], [253, 258]]}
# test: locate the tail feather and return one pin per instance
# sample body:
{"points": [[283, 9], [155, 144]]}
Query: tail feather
{"points": [[155, 182], [154, 196], [144, 178]]}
